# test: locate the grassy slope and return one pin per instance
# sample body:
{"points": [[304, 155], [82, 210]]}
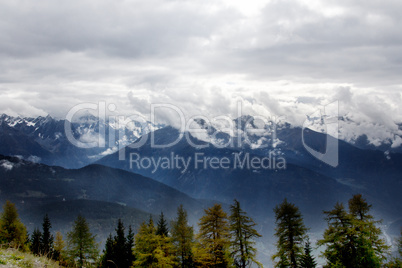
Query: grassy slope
{"points": [[15, 258]]}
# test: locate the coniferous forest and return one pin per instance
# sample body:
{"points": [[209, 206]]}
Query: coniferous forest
{"points": [[223, 239]]}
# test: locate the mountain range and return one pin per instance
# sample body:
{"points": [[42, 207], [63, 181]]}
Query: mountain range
{"points": [[44, 139], [148, 168]]}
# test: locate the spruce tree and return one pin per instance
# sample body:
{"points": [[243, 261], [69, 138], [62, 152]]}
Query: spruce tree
{"points": [[162, 227], [243, 234], [290, 231], [214, 238], [130, 246], [119, 249], [81, 243], [183, 239], [35, 245], [107, 260], [12, 231], [47, 237], [119, 246], [307, 260]]}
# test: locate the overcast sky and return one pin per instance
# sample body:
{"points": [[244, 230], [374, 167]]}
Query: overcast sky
{"points": [[283, 58]]}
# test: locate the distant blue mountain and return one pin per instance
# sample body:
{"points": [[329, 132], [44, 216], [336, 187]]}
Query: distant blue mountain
{"points": [[311, 184], [44, 140]]}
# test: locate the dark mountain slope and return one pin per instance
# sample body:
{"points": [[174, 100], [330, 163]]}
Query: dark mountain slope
{"points": [[38, 184]]}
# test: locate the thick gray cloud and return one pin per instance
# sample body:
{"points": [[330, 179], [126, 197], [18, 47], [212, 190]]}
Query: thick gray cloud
{"points": [[282, 57], [357, 43]]}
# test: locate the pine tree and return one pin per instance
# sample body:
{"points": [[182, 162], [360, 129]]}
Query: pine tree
{"points": [[59, 246], [81, 243], [290, 231], [353, 239], [47, 237], [35, 245], [162, 228], [243, 234], [183, 239], [152, 250], [214, 238], [12, 231], [307, 260]]}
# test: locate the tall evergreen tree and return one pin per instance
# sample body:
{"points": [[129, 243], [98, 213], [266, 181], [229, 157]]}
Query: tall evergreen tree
{"points": [[183, 239], [145, 245], [47, 237], [290, 231], [371, 247], [81, 243], [119, 249], [130, 246], [214, 238], [107, 260], [35, 245], [243, 234], [353, 239], [12, 231], [339, 238], [307, 260], [162, 227]]}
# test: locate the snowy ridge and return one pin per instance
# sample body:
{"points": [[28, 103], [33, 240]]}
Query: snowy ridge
{"points": [[44, 139]]}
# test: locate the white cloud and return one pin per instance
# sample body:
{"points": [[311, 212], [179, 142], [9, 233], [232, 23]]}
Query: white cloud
{"points": [[7, 165], [280, 58]]}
